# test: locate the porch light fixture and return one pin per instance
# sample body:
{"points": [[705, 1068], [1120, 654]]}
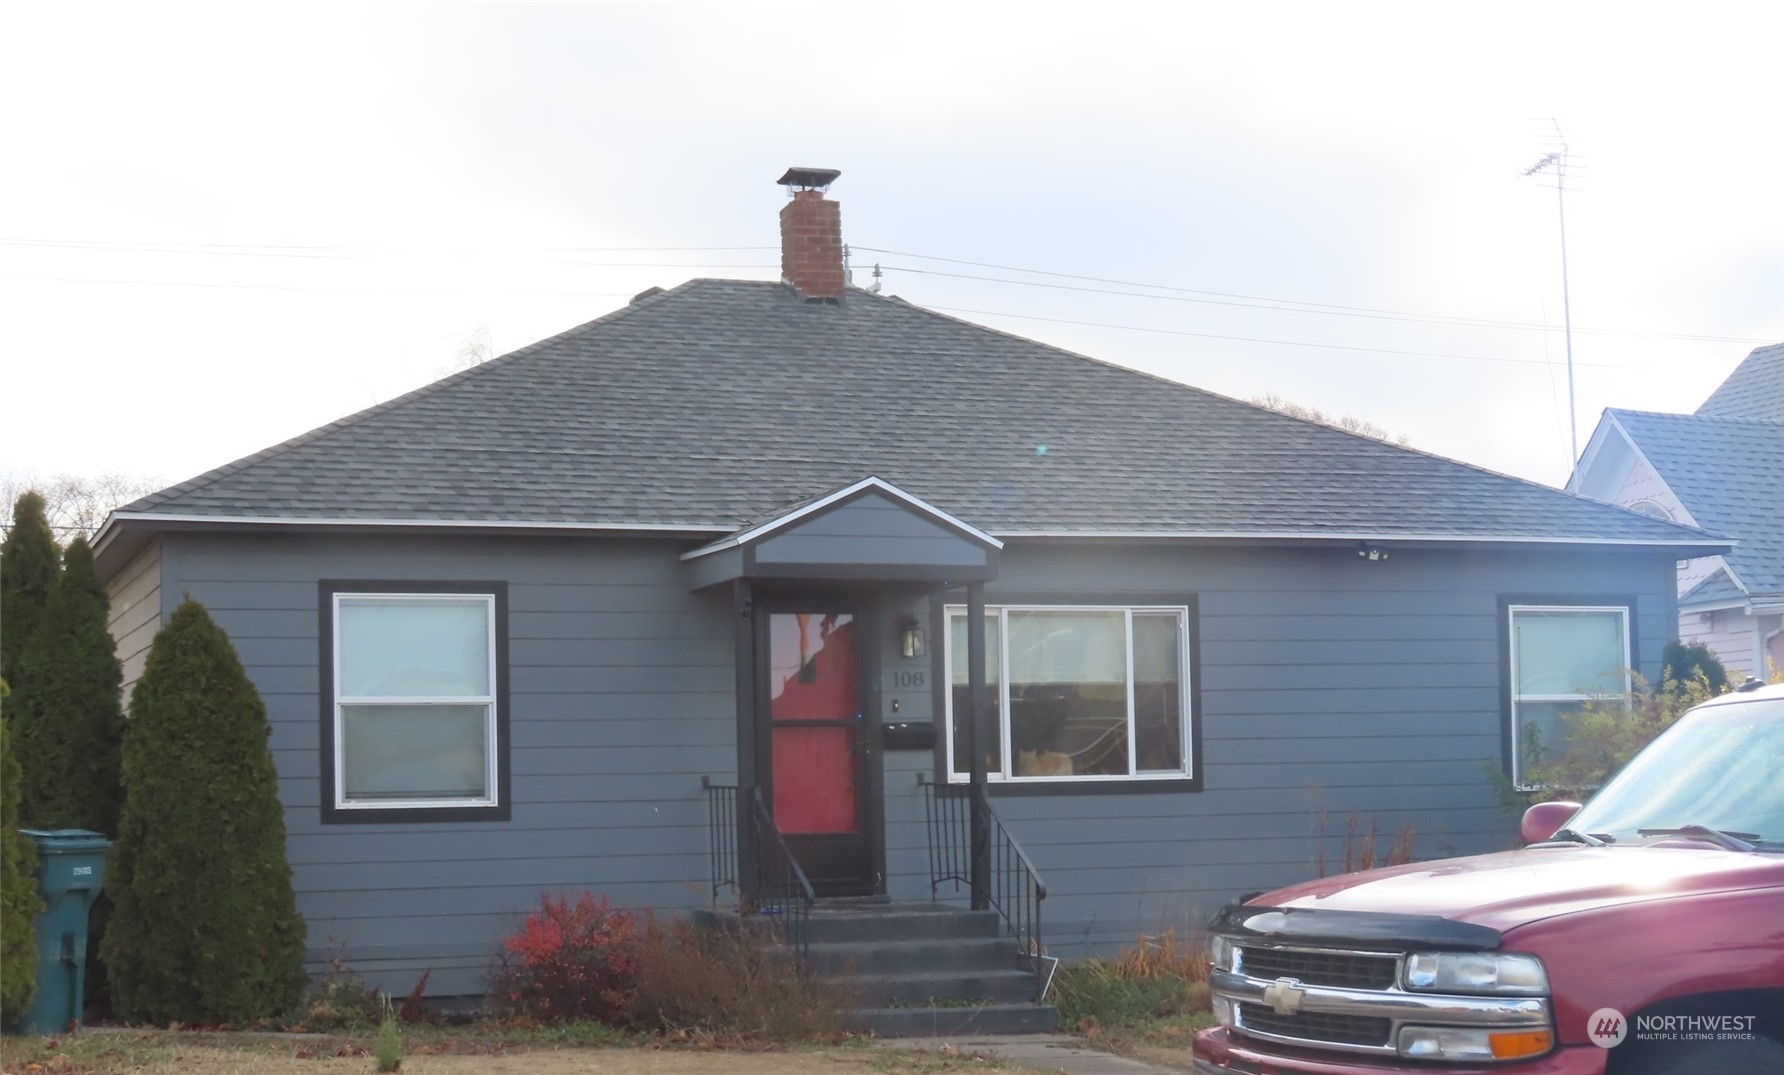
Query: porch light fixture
{"points": [[1371, 550], [910, 637]]}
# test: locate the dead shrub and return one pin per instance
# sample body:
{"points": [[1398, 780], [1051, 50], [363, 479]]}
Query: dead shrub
{"points": [[1160, 976], [727, 985], [1361, 849]]}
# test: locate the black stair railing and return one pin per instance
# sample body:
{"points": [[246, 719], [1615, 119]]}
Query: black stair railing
{"points": [[721, 827], [1017, 890], [782, 892], [781, 897]]}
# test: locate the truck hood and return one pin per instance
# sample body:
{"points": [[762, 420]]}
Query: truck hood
{"points": [[1514, 888]]}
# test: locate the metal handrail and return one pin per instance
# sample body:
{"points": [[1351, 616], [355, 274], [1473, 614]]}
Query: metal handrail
{"points": [[778, 889], [1017, 889], [783, 888], [721, 823]]}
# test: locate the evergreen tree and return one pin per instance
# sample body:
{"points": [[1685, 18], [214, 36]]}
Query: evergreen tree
{"points": [[204, 926], [19, 902], [29, 563], [1683, 662], [67, 720]]}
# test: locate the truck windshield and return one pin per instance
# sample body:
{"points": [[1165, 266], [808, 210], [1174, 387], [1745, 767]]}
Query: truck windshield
{"points": [[1720, 766]]}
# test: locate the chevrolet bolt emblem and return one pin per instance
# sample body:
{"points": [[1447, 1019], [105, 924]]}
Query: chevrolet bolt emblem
{"points": [[1284, 995]]}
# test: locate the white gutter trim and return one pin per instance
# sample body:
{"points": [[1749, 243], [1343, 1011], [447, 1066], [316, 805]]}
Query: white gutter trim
{"points": [[734, 538], [105, 532], [1265, 535], [1719, 604], [754, 533]]}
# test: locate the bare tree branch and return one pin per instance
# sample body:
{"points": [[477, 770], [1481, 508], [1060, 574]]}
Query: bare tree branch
{"points": [[1346, 422], [75, 504]]}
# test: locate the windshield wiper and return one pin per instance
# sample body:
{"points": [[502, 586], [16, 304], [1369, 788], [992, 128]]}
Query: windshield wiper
{"points": [[1732, 841], [1578, 837]]}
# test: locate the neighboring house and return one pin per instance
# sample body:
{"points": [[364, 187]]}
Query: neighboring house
{"points": [[1721, 469], [507, 623]]}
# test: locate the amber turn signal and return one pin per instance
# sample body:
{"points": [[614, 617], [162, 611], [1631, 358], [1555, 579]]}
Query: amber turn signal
{"points": [[1513, 1044]]}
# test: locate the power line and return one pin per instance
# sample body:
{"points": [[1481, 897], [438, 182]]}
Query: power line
{"points": [[260, 249], [1174, 293], [1281, 343], [1226, 298], [292, 287]]}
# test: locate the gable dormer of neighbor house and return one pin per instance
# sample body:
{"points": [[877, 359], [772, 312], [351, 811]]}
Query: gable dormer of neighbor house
{"points": [[1718, 468], [1614, 470]]}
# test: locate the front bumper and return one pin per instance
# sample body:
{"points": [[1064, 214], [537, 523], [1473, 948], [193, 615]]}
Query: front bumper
{"points": [[1220, 1052]]}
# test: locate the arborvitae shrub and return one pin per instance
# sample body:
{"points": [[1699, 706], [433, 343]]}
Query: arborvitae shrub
{"points": [[204, 927], [67, 718], [19, 902], [29, 563]]}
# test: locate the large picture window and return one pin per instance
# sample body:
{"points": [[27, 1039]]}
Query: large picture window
{"points": [[1561, 656], [415, 717], [1081, 693]]}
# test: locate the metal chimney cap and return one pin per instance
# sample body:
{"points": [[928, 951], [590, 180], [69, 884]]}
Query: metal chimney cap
{"points": [[809, 178]]}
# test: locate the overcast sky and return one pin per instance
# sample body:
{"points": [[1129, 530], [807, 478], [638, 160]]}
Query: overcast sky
{"points": [[221, 226]]}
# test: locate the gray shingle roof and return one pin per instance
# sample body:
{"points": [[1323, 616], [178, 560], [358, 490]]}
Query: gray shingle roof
{"points": [[1755, 390], [717, 402], [1729, 474], [1717, 587]]}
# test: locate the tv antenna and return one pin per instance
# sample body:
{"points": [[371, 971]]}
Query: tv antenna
{"points": [[1556, 162]]}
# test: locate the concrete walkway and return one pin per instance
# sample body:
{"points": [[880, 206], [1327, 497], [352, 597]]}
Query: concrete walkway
{"points": [[1047, 1052]]}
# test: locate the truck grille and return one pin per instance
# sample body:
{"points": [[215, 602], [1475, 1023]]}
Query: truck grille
{"points": [[1315, 1027], [1341, 969]]}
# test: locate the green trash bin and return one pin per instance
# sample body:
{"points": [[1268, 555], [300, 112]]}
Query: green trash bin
{"points": [[70, 869]]}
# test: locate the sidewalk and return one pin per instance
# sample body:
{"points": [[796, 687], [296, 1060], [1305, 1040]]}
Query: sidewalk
{"points": [[1048, 1052]]}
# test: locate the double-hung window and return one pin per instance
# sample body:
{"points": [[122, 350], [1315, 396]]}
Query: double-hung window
{"points": [[1085, 693], [414, 694], [1561, 656]]}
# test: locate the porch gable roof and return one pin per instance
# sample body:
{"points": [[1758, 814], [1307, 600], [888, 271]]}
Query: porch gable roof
{"points": [[870, 529]]}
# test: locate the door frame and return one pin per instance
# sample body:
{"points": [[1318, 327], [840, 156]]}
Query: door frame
{"points": [[756, 739]]}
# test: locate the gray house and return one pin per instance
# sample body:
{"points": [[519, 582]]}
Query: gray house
{"points": [[515, 627], [1722, 468]]}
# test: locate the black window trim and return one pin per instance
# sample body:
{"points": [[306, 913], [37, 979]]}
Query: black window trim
{"points": [[502, 808], [1193, 782]]}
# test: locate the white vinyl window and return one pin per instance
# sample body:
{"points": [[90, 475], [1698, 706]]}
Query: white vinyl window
{"points": [[1561, 656], [415, 700], [1079, 692]]}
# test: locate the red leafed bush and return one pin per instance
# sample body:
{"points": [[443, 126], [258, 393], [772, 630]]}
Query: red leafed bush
{"points": [[570, 961]]}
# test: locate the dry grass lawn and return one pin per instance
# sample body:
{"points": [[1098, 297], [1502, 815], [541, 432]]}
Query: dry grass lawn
{"points": [[109, 1052]]}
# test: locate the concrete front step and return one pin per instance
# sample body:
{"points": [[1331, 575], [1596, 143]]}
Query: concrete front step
{"points": [[947, 988], [949, 1021], [871, 959], [898, 922]]}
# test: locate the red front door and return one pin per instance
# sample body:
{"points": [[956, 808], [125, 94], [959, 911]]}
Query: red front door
{"points": [[816, 751]]}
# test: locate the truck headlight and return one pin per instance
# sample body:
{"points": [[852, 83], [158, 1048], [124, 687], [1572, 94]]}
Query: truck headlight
{"points": [[1509, 973], [1220, 953]]}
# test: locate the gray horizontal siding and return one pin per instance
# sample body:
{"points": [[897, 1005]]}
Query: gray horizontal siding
{"points": [[135, 597], [871, 530], [621, 698], [1331, 687]]}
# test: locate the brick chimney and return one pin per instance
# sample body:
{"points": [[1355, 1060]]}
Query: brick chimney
{"points": [[811, 235]]}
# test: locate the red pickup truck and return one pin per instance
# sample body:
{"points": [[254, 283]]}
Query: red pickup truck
{"points": [[1641, 934]]}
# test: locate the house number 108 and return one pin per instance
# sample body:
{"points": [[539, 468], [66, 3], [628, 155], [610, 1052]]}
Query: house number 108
{"points": [[907, 678]]}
